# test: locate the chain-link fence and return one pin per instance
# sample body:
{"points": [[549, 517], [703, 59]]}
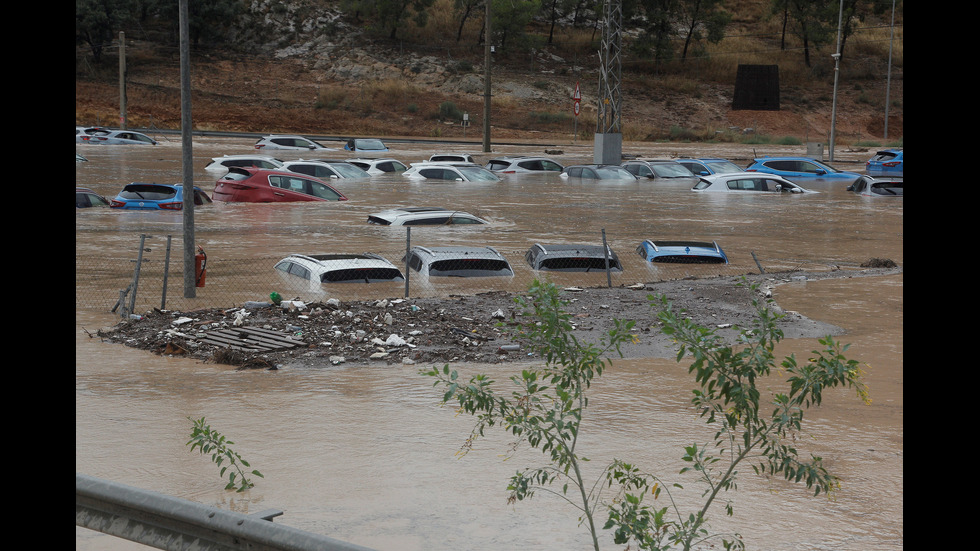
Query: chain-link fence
{"points": [[153, 276]]}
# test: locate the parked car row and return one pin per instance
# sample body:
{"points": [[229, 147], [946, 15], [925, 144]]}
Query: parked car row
{"points": [[464, 261]]}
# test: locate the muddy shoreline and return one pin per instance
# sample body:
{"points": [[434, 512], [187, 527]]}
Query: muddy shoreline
{"points": [[462, 329]]}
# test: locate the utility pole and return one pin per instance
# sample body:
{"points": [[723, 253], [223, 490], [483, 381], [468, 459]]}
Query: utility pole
{"points": [[608, 145], [122, 81], [190, 281], [486, 81]]}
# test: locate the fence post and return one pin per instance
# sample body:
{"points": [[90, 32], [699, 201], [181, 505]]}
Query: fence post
{"points": [[605, 253], [136, 274], [166, 275], [408, 248]]}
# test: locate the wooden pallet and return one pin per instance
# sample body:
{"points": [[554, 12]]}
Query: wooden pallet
{"points": [[250, 339]]}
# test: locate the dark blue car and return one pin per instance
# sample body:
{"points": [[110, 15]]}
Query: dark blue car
{"points": [[803, 170], [142, 196], [887, 162]]}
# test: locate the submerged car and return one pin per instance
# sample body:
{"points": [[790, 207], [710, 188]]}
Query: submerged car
{"points": [[222, 164], [878, 187], [257, 185], [660, 171], [325, 170], [707, 166], [597, 172], [83, 134], [512, 165], [287, 142], [379, 166], [452, 158], [121, 137], [887, 162], [423, 216], [802, 170], [340, 268], [572, 258], [458, 262], [144, 196], [85, 198], [365, 144], [747, 182], [454, 172], [682, 252]]}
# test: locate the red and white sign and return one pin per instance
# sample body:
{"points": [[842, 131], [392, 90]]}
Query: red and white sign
{"points": [[576, 108], [577, 95]]}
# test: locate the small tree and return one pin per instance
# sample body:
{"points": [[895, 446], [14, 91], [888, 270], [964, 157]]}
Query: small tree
{"points": [[210, 441], [545, 410]]}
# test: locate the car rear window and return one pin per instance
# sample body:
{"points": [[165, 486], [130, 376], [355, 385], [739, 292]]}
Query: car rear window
{"points": [[361, 274], [578, 264], [147, 192], [472, 267]]}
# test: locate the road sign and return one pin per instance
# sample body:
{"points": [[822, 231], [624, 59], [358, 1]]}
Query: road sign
{"points": [[576, 108], [577, 95]]}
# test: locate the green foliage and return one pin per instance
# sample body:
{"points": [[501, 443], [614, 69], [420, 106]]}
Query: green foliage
{"points": [[749, 429], [544, 409], [210, 441], [448, 110]]}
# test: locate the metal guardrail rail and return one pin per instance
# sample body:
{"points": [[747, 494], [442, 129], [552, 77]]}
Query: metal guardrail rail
{"points": [[171, 523]]}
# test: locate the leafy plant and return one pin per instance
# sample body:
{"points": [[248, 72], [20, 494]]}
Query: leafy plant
{"points": [[210, 441], [748, 429], [545, 407]]}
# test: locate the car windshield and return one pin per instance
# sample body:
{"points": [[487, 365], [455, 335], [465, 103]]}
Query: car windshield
{"points": [[613, 173], [478, 173], [148, 192], [721, 167], [349, 171], [671, 171], [369, 145]]}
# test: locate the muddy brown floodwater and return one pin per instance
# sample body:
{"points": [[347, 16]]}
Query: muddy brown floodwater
{"points": [[366, 454]]}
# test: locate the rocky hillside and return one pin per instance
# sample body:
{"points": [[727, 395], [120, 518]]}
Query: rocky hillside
{"points": [[328, 78]]}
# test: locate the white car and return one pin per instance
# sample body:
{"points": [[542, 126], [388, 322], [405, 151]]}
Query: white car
{"points": [[423, 216], [451, 171], [287, 142], [379, 166], [120, 137], [222, 164], [510, 165], [452, 158], [340, 268], [325, 170], [458, 262], [747, 182]]}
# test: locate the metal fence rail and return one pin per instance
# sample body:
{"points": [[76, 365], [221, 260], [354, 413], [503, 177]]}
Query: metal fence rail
{"points": [[167, 522], [107, 282]]}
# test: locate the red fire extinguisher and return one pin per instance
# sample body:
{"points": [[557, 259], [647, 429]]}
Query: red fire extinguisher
{"points": [[200, 267]]}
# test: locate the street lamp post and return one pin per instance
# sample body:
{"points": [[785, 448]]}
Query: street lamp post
{"points": [[836, 56]]}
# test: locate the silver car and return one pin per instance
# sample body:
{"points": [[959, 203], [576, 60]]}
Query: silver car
{"points": [[747, 182], [661, 171], [325, 170], [459, 172], [423, 216], [121, 137], [287, 142]]}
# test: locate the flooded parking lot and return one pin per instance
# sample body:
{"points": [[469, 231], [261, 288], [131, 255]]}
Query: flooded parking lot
{"points": [[366, 455]]}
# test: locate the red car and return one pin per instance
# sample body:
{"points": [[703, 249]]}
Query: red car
{"points": [[257, 185]]}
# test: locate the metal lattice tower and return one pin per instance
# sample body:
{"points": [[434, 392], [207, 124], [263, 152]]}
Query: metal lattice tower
{"points": [[610, 71]]}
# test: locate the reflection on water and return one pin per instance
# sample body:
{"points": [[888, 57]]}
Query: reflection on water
{"points": [[367, 455]]}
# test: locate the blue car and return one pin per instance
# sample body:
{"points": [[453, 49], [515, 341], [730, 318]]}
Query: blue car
{"points": [[707, 167], [803, 170], [887, 162], [141, 196], [682, 252]]}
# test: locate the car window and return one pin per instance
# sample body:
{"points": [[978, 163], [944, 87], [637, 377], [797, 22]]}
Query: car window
{"points": [[670, 170], [323, 191], [478, 174], [497, 165], [293, 268], [812, 168], [391, 166], [439, 174], [147, 192], [720, 167], [746, 184], [428, 221], [789, 166], [348, 171], [574, 172], [550, 165]]}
